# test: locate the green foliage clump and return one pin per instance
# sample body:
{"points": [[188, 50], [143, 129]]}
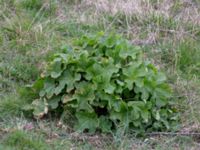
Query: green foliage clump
{"points": [[107, 83]]}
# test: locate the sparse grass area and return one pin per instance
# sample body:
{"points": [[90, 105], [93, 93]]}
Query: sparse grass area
{"points": [[32, 30]]}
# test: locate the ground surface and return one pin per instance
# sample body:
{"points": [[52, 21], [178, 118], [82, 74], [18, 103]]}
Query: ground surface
{"points": [[32, 30]]}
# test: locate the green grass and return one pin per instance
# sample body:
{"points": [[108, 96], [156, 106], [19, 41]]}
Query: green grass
{"points": [[11, 105], [32, 30], [189, 58], [22, 140]]}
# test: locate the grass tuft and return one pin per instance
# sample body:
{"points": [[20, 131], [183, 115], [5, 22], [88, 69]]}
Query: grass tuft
{"points": [[11, 105], [22, 140]]}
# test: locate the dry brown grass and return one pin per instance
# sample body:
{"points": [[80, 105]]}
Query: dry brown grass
{"points": [[189, 10], [134, 13]]}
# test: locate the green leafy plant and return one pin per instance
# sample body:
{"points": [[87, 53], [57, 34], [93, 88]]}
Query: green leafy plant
{"points": [[107, 83]]}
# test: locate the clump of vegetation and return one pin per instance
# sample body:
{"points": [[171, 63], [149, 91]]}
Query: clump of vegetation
{"points": [[21, 140], [188, 58], [106, 82]]}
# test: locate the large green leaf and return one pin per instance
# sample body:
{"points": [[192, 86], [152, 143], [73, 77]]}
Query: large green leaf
{"points": [[40, 107], [85, 91], [105, 124], [145, 115], [121, 113], [56, 68], [84, 95], [49, 87], [67, 79], [86, 121], [54, 102], [133, 74], [67, 98], [128, 50]]}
